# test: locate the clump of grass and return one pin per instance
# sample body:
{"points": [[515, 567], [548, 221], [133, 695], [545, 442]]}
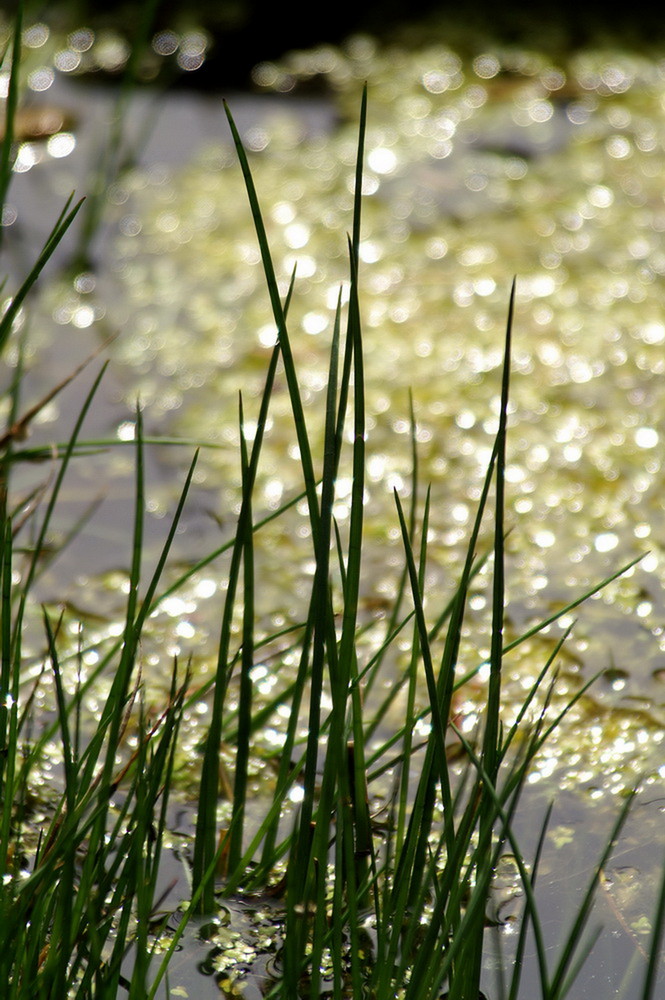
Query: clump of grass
{"points": [[396, 909], [441, 850]]}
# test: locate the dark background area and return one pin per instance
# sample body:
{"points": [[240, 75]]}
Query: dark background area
{"points": [[246, 32]]}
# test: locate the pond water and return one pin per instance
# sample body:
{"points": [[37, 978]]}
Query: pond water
{"points": [[475, 172]]}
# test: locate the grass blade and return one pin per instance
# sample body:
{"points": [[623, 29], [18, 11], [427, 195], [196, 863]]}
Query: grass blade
{"points": [[7, 154], [655, 945], [283, 334], [65, 220], [247, 662]]}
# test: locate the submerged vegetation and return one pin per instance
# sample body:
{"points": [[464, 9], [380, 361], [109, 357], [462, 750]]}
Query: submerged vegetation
{"points": [[373, 721]]}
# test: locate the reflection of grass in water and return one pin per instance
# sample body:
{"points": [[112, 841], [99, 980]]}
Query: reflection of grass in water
{"points": [[381, 905]]}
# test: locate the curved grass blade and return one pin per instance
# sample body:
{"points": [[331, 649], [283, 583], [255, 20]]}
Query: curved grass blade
{"points": [[63, 223], [112, 159], [518, 963], [279, 315], [412, 674], [491, 737], [654, 965], [318, 614], [247, 662], [19, 428], [561, 981], [50, 507], [206, 820]]}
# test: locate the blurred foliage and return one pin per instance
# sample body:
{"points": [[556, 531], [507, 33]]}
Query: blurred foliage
{"points": [[248, 31]]}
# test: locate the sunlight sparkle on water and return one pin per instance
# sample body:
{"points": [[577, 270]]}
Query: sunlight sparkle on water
{"points": [[606, 541], [646, 437], [442, 238], [382, 160]]}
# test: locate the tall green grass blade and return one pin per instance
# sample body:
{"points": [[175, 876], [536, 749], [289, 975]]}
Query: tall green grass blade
{"points": [[107, 658], [561, 981], [412, 673], [122, 679], [439, 724], [396, 605], [493, 711], [147, 606], [529, 914], [358, 182], [247, 663], [564, 611], [13, 397], [450, 963], [113, 157], [347, 654], [7, 688], [287, 770], [91, 904], [311, 845], [67, 752], [354, 256], [411, 859], [192, 908], [318, 619], [50, 507], [206, 828], [283, 334], [345, 763], [7, 153], [206, 822], [466, 981], [311, 864], [580, 959], [160, 772], [518, 725], [654, 964], [148, 602], [65, 220]]}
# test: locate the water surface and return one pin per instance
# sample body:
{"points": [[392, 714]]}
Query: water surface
{"points": [[475, 172]]}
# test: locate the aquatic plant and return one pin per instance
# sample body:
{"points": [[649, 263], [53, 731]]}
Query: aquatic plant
{"points": [[381, 856]]}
